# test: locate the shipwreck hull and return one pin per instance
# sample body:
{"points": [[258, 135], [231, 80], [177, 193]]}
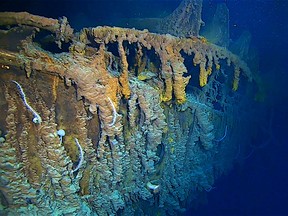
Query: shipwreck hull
{"points": [[156, 118]]}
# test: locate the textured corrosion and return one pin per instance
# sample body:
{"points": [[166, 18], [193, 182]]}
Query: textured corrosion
{"points": [[147, 112], [185, 21]]}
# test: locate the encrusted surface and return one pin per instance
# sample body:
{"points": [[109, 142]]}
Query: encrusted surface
{"points": [[151, 114]]}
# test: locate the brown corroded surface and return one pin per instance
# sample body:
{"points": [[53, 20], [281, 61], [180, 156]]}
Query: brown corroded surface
{"points": [[150, 112]]}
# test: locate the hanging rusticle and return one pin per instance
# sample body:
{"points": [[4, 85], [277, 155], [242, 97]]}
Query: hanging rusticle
{"points": [[128, 122]]}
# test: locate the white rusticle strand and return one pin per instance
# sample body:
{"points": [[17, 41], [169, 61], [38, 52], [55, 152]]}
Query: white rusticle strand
{"points": [[37, 119], [222, 138], [61, 134], [81, 156], [114, 113]]}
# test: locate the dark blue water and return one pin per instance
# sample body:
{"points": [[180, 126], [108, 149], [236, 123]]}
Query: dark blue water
{"points": [[259, 185]]}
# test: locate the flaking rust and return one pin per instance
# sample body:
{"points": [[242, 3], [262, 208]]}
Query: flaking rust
{"points": [[147, 127]]}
